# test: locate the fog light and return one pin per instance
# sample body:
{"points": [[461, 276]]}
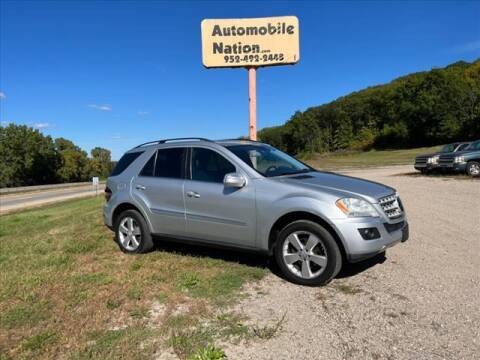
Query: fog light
{"points": [[369, 233]]}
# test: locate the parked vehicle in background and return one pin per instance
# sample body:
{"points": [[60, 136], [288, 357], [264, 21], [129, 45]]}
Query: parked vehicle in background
{"points": [[466, 161], [249, 195], [429, 162]]}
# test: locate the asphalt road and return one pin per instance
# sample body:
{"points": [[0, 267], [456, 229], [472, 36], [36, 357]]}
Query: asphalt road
{"points": [[9, 203]]}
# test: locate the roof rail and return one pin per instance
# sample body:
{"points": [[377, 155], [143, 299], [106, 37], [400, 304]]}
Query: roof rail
{"points": [[163, 141], [239, 139]]}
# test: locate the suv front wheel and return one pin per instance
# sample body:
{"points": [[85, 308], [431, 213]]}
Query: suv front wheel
{"points": [[473, 168], [307, 254], [132, 234]]}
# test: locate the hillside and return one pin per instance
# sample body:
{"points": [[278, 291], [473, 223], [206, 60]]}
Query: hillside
{"points": [[421, 109]]}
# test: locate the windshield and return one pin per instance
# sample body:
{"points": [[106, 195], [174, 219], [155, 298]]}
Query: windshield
{"points": [[463, 147], [267, 160], [448, 148]]}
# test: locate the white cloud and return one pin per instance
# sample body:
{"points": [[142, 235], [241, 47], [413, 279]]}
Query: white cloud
{"points": [[143, 113], [104, 107], [468, 47], [116, 137], [4, 123], [2, 95], [41, 125]]}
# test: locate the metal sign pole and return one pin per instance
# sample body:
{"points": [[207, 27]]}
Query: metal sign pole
{"points": [[252, 96]]}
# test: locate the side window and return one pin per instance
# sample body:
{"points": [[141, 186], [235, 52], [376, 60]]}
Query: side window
{"points": [[125, 162], [149, 166], [170, 163], [208, 165]]}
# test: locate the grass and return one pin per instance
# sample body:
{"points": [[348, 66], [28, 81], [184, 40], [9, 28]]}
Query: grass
{"points": [[354, 159], [67, 291]]}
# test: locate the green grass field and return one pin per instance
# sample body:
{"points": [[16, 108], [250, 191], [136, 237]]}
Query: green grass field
{"points": [[367, 158], [67, 291]]}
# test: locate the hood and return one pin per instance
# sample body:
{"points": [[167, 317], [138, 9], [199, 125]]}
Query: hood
{"points": [[328, 182], [429, 155]]}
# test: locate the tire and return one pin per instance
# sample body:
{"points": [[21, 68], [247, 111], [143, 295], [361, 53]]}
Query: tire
{"points": [[301, 268], [139, 240], [473, 168]]}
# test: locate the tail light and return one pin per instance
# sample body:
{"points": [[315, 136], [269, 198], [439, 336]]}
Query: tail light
{"points": [[108, 193]]}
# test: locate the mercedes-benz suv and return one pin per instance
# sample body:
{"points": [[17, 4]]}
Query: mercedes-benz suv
{"points": [[248, 195]]}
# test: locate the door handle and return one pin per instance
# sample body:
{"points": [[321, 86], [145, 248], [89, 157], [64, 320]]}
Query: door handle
{"points": [[140, 187], [193, 194]]}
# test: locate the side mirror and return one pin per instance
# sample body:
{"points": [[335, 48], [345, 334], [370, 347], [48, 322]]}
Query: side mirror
{"points": [[234, 180]]}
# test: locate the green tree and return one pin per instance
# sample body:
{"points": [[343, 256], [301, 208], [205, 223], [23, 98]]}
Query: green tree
{"points": [[73, 161], [102, 161], [27, 157]]}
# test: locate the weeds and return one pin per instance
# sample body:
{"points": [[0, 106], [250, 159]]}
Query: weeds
{"points": [[268, 331], [64, 276]]}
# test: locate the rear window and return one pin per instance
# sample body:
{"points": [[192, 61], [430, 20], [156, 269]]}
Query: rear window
{"points": [[125, 162]]}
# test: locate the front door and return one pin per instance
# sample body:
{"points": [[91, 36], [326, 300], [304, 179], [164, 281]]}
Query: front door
{"points": [[214, 212], [160, 186]]}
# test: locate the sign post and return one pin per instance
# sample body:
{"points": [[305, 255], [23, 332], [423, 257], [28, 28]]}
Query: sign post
{"points": [[95, 182], [252, 97], [250, 43]]}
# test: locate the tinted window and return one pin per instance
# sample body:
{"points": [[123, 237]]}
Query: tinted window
{"points": [[170, 163], [125, 162], [207, 165], [149, 167]]}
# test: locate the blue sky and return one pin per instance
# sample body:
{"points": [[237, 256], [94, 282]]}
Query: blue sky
{"points": [[115, 74]]}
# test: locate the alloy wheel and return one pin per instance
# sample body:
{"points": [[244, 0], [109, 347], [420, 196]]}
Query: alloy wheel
{"points": [[129, 233], [304, 254], [474, 169]]}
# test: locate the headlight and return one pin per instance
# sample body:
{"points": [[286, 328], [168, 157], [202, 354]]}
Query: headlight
{"points": [[459, 159], [433, 160], [353, 207]]}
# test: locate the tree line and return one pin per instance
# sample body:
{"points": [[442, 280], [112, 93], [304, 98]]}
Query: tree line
{"points": [[420, 109], [27, 157]]}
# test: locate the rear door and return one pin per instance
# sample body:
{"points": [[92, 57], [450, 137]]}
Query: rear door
{"points": [[214, 212], [159, 185]]}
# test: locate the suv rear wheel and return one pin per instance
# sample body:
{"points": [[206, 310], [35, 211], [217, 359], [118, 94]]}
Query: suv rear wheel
{"points": [[473, 168], [132, 233], [307, 253]]}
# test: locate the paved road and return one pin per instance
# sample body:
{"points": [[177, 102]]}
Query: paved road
{"points": [[9, 203]]}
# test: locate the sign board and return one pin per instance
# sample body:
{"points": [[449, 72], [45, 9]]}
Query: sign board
{"points": [[95, 180], [250, 42]]}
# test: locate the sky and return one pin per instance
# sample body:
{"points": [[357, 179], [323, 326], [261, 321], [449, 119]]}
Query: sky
{"points": [[116, 74]]}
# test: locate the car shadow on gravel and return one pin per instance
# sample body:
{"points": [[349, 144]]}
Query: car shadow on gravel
{"points": [[252, 258], [352, 269], [438, 175]]}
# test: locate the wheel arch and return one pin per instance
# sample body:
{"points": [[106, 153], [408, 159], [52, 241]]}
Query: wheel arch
{"points": [[128, 206], [290, 217]]}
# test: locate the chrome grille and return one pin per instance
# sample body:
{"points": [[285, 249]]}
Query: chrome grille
{"points": [[445, 159], [391, 206], [421, 159]]}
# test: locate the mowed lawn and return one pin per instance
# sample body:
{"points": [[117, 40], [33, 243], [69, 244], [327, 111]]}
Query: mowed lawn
{"points": [[336, 160], [66, 291]]}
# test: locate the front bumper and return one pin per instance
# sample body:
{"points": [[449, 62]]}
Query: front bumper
{"points": [[454, 167], [359, 249]]}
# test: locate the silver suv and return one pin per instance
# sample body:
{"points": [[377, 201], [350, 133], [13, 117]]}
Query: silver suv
{"points": [[249, 195]]}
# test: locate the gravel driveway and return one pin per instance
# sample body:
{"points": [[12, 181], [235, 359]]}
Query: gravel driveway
{"points": [[421, 301]]}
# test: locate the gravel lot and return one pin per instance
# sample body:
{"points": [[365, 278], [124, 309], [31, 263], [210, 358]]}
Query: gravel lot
{"points": [[421, 301]]}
